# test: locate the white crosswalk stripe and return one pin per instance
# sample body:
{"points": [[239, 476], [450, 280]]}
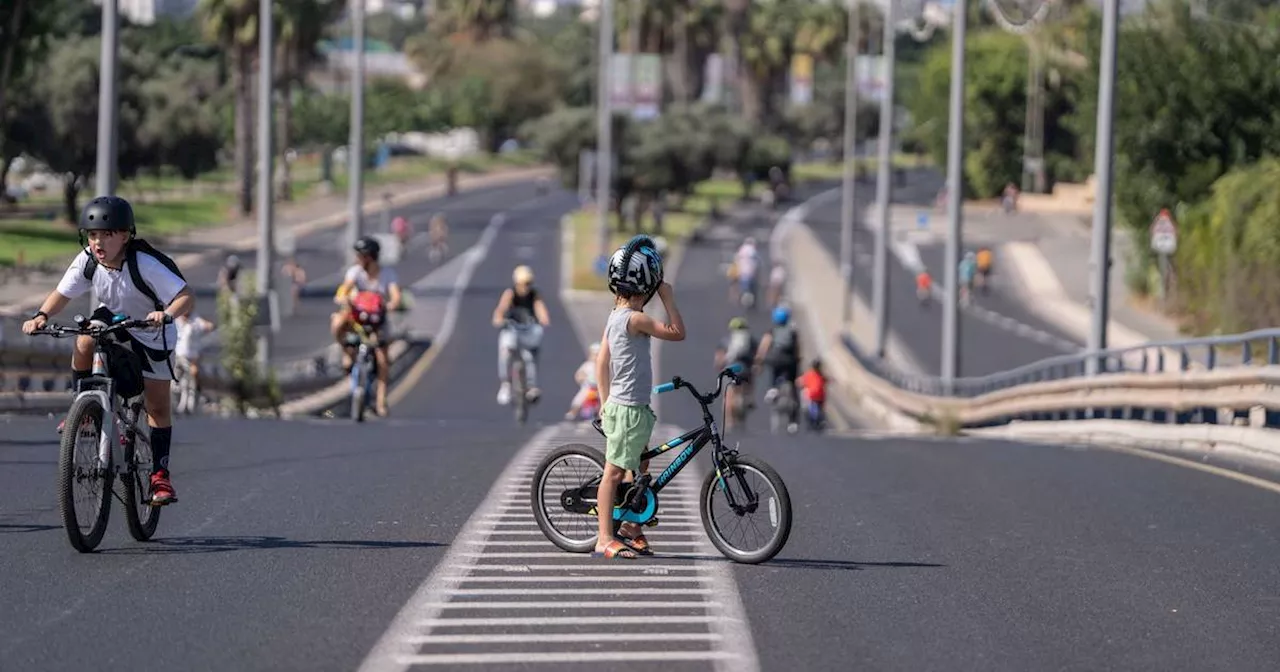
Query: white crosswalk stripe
{"points": [[505, 594]]}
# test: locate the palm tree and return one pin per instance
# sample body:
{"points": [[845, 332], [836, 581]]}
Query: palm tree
{"points": [[477, 20], [302, 24], [234, 25]]}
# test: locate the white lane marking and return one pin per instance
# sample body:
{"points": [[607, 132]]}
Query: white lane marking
{"points": [[592, 657], [694, 604], [464, 580], [570, 637]]}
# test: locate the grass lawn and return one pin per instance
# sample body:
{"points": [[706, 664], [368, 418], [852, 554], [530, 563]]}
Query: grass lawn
{"points": [[676, 227], [834, 170], [38, 241]]}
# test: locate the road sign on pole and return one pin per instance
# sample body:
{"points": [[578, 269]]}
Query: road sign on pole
{"points": [[1164, 234]]}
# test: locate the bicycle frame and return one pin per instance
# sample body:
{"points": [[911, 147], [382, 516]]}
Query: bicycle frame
{"points": [[100, 384], [695, 440]]}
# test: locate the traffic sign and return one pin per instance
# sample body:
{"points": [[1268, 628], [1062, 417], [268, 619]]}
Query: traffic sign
{"points": [[1164, 233]]}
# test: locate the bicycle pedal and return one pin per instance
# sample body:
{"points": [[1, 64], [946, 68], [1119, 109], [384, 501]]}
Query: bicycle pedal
{"points": [[653, 522]]}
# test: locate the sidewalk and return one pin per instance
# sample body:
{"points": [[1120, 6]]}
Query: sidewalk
{"points": [[299, 219]]}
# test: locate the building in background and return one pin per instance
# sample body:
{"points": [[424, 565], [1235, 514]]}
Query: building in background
{"points": [[381, 60]]}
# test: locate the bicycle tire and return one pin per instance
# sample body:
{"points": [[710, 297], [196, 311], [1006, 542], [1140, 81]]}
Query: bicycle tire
{"points": [[142, 518], [778, 540], [537, 500], [87, 405], [518, 393], [360, 394]]}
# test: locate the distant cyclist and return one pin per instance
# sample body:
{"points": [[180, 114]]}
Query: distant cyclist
{"points": [[366, 275], [777, 284], [229, 274], [924, 286], [523, 307], [746, 263], [738, 347], [780, 351], [984, 259], [439, 238], [968, 268]]}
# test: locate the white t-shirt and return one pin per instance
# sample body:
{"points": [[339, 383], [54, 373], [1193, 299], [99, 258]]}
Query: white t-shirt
{"points": [[588, 371], [189, 341], [363, 283], [116, 292]]}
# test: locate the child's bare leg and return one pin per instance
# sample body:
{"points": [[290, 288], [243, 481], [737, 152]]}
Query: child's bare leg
{"points": [[613, 475], [632, 531]]}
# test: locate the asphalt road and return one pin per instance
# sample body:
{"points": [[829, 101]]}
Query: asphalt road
{"points": [[323, 255], [984, 347], [296, 543]]}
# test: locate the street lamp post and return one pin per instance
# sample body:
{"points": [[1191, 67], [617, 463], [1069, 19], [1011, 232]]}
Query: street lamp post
{"points": [[955, 183], [604, 148], [266, 146], [355, 146], [850, 141], [108, 108], [881, 290], [1102, 164]]}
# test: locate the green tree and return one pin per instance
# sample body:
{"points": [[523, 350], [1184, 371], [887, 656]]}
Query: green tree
{"points": [[475, 20], [180, 126], [67, 116], [233, 24], [302, 24]]}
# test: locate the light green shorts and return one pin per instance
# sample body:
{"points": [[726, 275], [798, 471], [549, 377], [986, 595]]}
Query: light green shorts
{"points": [[626, 433]]}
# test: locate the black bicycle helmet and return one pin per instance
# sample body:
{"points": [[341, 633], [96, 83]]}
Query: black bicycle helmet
{"points": [[368, 246], [107, 213], [635, 269]]}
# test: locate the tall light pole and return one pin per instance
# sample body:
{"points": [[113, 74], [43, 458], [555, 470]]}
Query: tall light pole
{"points": [[355, 146], [1102, 163], [850, 141], [108, 108], [604, 130], [955, 183], [105, 176], [881, 295], [266, 146]]}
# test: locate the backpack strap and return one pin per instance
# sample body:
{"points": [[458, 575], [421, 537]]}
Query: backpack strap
{"points": [[135, 274], [90, 266]]}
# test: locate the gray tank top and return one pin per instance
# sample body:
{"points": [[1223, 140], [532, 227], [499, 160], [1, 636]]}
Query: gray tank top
{"points": [[630, 365]]}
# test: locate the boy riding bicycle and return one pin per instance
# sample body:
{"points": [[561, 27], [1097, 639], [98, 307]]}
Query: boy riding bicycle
{"points": [[625, 373], [134, 280]]}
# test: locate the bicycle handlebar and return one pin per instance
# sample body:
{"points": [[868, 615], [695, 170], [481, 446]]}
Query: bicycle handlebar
{"points": [[86, 327], [732, 371]]}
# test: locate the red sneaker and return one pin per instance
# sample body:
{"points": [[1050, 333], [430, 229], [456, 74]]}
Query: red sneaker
{"points": [[161, 489]]}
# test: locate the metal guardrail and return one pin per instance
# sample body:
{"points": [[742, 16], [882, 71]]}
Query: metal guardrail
{"points": [[1210, 353], [1213, 380]]}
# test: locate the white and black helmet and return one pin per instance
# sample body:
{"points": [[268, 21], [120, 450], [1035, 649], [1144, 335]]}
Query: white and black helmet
{"points": [[635, 269]]}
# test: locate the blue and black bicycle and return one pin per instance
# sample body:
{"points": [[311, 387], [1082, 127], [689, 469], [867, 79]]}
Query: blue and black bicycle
{"points": [[744, 505]]}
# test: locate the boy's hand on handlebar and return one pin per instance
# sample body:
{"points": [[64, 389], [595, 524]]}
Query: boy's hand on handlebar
{"points": [[158, 318], [32, 325]]}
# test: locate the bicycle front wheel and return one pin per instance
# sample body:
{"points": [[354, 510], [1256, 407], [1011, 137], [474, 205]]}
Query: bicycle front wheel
{"points": [[756, 526], [135, 488], [84, 483]]}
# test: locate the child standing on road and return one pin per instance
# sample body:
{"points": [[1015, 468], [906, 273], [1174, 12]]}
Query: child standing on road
{"points": [[625, 373]]}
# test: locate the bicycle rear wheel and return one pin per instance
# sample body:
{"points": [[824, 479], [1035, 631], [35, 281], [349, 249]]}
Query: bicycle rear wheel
{"points": [[757, 489], [135, 487], [563, 496], [84, 485]]}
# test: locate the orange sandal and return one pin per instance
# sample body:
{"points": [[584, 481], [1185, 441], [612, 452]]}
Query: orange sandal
{"points": [[637, 543], [615, 549]]}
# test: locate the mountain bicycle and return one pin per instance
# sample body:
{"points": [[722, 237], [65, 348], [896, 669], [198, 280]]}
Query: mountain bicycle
{"points": [[566, 510], [106, 413], [518, 375]]}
